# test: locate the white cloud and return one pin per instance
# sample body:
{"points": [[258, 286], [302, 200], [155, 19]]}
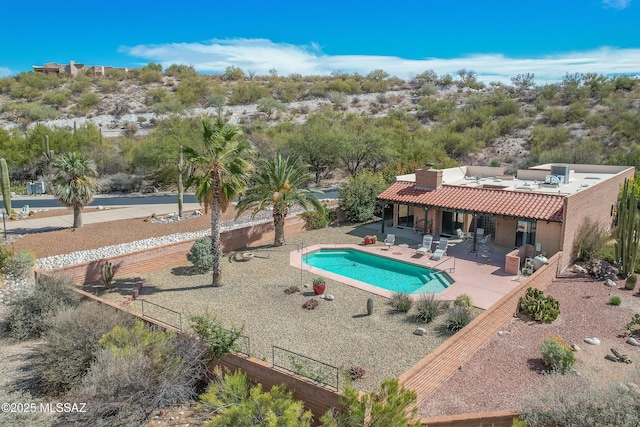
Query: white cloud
{"points": [[261, 55], [5, 71], [616, 4]]}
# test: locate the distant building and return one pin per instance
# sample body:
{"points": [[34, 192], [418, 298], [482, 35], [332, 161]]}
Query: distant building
{"points": [[73, 68]]}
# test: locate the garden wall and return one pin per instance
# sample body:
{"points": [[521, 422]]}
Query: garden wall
{"points": [[435, 368], [175, 254], [316, 398]]}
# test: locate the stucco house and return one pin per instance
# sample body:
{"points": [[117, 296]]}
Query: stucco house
{"points": [[540, 208], [72, 68]]}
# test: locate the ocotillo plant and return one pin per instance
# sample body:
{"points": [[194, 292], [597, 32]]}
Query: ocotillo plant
{"points": [[107, 272], [628, 228], [6, 185]]}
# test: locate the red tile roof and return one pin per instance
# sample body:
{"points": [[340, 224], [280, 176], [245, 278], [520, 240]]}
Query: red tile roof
{"points": [[519, 204]]}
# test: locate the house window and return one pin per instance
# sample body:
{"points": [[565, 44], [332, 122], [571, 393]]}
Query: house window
{"points": [[525, 233]]}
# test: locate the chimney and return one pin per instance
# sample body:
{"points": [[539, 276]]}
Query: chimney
{"points": [[428, 178]]}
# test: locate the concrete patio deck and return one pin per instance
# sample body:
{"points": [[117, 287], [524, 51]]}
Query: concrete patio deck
{"points": [[484, 281]]}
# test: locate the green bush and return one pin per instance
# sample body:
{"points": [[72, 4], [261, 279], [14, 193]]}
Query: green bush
{"points": [[538, 307], [88, 100], [318, 219], [391, 406], [28, 316], [20, 263], [36, 112], [72, 343], [358, 196], [429, 308], [137, 364], [557, 355], [57, 98], [457, 318], [234, 401], [463, 300], [200, 254], [615, 300], [80, 84], [401, 302], [218, 340]]}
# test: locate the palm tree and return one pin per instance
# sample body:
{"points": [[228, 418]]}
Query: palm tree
{"points": [[278, 183], [74, 183], [220, 173]]}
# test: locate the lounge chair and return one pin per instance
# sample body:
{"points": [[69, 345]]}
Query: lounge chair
{"points": [[390, 240], [441, 249], [427, 240]]}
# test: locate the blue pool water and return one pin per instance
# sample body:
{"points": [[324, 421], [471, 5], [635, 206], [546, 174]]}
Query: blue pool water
{"points": [[385, 273]]}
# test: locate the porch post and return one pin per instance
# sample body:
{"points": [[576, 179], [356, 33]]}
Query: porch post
{"points": [[384, 206], [475, 233]]}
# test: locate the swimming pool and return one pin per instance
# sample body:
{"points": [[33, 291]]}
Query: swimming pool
{"points": [[385, 273]]}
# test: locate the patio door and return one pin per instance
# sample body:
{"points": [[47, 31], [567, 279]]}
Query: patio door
{"points": [[405, 216], [525, 233], [451, 221]]}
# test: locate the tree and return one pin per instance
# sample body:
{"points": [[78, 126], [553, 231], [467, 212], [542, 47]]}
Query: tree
{"points": [[317, 144], [278, 183], [220, 173], [358, 196], [74, 183], [628, 228]]}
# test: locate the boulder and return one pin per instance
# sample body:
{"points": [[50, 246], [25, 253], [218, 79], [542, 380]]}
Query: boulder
{"points": [[592, 341], [420, 331], [329, 297], [610, 283], [579, 269], [633, 341]]}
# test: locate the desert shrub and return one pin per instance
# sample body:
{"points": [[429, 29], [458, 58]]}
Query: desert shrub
{"points": [[170, 106], [121, 183], [615, 404], [72, 343], [137, 371], [355, 372], [463, 300], [401, 302], [200, 254], [27, 317], [318, 218], [539, 307], [20, 263], [79, 85], [36, 112], [88, 100], [311, 304], [429, 308], [234, 401], [615, 300], [631, 326], [218, 340], [5, 254], [391, 406], [358, 196], [557, 355], [31, 418], [457, 318], [589, 239], [107, 85], [630, 283]]}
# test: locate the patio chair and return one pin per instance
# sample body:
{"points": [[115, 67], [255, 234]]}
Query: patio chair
{"points": [[441, 249], [427, 240], [461, 235], [390, 240], [480, 233], [487, 254], [484, 243]]}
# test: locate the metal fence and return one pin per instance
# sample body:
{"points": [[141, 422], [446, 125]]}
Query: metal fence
{"points": [[305, 366], [242, 345], [162, 314]]}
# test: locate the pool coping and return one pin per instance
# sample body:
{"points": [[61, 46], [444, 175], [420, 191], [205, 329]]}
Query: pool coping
{"points": [[486, 284]]}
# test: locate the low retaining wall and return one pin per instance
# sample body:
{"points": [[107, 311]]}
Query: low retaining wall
{"points": [[316, 398], [175, 254], [435, 368]]}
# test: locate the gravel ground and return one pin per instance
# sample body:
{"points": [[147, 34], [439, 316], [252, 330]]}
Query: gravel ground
{"points": [[509, 365], [337, 332]]}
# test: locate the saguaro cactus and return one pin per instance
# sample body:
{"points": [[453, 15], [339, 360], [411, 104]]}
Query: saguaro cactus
{"points": [[6, 185], [628, 228]]}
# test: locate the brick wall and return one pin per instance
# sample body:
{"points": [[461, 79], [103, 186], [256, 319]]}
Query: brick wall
{"points": [[594, 202], [435, 368], [317, 399], [175, 254]]}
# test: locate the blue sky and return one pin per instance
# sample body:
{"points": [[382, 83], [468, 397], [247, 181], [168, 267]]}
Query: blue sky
{"points": [[495, 39]]}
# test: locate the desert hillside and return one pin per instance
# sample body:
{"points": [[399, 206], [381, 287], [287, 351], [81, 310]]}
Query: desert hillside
{"points": [[133, 123]]}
